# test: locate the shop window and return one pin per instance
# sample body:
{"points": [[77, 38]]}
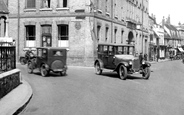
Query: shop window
{"points": [[46, 3], [63, 35], [30, 4], [30, 36]]}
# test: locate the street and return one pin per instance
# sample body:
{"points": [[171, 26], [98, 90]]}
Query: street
{"points": [[82, 92]]}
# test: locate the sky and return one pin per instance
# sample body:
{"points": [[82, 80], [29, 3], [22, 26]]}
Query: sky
{"points": [[174, 8]]}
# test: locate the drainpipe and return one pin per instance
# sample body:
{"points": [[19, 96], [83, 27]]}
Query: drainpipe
{"points": [[18, 26], [112, 21], [142, 28]]}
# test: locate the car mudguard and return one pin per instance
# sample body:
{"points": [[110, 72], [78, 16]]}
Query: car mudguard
{"points": [[101, 63], [121, 63]]}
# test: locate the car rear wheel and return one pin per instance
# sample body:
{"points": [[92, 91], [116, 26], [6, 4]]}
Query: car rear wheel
{"points": [[122, 71], [63, 73], [98, 69], [30, 67], [43, 70], [146, 73]]}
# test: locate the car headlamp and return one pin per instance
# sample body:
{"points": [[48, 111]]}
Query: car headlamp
{"points": [[130, 62], [143, 62]]}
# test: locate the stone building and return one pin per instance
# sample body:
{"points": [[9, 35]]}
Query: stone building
{"points": [[3, 18], [79, 25]]}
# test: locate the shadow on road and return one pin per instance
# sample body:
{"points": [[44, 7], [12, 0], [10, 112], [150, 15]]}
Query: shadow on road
{"points": [[51, 74], [115, 75]]}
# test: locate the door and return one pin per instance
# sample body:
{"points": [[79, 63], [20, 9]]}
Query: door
{"points": [[46, 40]]}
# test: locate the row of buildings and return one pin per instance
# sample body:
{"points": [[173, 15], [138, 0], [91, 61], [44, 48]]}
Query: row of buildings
{"points": [[81, 24]]}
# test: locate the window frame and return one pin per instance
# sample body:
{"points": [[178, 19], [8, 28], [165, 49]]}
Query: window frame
{"points": [[60, 35]]}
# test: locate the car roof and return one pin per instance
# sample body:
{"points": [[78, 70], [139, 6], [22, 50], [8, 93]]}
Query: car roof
{"points": [[111, 44]]}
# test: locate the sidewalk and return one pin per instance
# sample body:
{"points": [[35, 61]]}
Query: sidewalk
{"points": [[16, 100]]}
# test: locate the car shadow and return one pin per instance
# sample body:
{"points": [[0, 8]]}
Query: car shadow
{"points": [[115, 75], [51, 74]]}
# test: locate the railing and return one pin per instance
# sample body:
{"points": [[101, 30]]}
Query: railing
{"points": [[7, 58]]}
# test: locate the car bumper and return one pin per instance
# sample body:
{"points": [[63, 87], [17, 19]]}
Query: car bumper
{"points": [[60, 70]]}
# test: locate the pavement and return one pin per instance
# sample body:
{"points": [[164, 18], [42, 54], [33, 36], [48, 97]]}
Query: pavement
{"points": [[15, 101]]}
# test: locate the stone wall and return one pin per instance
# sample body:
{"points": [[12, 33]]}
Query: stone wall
{"points": [[8, 81]]}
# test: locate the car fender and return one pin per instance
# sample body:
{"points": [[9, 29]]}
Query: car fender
{"points": [[45, 65], [121, 63], [101, 63], [147, 64]]}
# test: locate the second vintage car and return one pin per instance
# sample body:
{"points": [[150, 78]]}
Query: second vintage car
{"points": [[49, 59], [121, 59]]}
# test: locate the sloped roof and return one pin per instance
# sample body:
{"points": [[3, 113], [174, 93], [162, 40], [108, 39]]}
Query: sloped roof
{"points": [[3, 8], [172, 29]]}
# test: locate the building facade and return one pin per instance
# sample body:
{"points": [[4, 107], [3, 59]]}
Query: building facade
{"points": [[79, 25], [3, 18]]}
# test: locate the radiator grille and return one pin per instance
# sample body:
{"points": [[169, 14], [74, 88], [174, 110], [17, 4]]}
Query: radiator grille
{"points": [[136, 64]]}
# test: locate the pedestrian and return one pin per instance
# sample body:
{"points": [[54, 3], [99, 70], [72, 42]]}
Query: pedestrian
{"points": [[145, 57], [141, 58]]}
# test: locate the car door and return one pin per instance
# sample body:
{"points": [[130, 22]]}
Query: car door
{"points": [[110, 59]]}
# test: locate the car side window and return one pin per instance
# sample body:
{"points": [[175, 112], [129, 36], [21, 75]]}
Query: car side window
{"points": [[57, 53], [111, 50]]}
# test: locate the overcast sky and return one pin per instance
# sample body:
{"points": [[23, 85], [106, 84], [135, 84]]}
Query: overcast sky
{"points": [[162, 8]]}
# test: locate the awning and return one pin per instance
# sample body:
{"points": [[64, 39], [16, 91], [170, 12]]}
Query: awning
{"points": [[181, 49]]}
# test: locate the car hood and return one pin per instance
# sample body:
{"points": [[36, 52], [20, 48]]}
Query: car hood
{"points": [[126, 57]]}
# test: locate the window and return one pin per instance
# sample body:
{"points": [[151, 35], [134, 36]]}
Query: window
{"points": [[30, 4], [122, 36], [106, 6], [106, 33], [62, 3], [115, 31], [30, 36], [46, 3], [63, 35], [98, 32], [62, 32]]}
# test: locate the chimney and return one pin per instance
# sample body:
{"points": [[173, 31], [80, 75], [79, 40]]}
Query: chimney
{"points": [[169, 20], [163, 21]]}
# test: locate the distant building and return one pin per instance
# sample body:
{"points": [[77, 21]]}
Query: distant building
{"points": [[79, 25]]}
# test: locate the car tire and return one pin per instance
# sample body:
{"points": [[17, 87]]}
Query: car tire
{"points": [[122, 71], [63, 73], [98, 69], [23, 61], [43, 71], [146, 73], [30, 67]]}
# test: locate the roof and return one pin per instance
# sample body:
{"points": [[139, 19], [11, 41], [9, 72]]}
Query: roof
{"points": [[173, 31], [3, 8]]}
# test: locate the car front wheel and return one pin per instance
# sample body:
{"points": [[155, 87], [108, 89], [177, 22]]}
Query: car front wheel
{"points": [[30, 67], [122, 71], [43, 70], [98, 69], [146, 73]]}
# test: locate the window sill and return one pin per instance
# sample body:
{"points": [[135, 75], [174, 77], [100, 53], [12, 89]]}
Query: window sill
{"points": [[107, 14], [99, 11], [29, 10], [61, 9], [46, 9]]}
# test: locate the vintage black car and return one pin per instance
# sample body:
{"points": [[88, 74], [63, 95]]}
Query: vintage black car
{"points": [[121, 59], [49, 59]]}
